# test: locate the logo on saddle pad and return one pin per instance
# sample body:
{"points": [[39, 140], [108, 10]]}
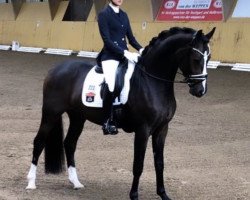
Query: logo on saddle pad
{"points": [[91, 92], [90, 97]]}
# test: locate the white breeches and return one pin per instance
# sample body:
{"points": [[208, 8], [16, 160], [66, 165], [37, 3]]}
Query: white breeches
{"points": [[109, 70]]}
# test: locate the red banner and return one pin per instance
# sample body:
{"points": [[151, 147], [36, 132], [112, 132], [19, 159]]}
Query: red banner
{"points": [[190, 10]]}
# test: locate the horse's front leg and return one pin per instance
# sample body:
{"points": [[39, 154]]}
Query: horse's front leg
{"points": [[158, 142], [140, 145]]}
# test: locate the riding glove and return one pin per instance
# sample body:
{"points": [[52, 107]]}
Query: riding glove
{"points": [[141, 50], [133, 57]]}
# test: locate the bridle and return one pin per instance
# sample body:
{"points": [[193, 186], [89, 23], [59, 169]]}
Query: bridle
{"points": [[197, 78], [189, 79]]}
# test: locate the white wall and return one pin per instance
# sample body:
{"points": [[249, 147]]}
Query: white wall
{"points": [[242, 9]]}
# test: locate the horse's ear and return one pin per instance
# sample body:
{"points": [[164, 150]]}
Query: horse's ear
{"points": [[210, 34], [197, 36]]}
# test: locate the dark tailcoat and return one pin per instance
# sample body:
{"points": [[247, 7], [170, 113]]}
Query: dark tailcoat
{"points": [[114, 29]]}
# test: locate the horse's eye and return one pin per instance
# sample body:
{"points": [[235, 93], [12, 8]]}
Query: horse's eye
{"points": [[197, 60], [197, 56]]}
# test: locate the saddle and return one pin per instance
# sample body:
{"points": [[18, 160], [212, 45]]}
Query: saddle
{"points": [[93, 85]]}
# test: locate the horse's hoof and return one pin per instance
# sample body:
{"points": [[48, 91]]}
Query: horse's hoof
{"points": [[134, 196], [31, 187], [78, 186], [31, 184], [165, 197]]}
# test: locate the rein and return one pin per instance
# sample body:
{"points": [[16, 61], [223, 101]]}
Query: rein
{"points": [[158, 78]]}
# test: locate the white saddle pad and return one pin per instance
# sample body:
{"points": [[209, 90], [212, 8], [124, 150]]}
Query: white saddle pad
{"points": [[91, 92]]}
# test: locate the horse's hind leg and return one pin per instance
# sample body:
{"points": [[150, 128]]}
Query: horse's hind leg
{"points": [[48, 122], [76, 120]]}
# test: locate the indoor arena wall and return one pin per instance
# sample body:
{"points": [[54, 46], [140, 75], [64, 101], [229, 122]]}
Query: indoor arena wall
{"points": [[35, 27]]}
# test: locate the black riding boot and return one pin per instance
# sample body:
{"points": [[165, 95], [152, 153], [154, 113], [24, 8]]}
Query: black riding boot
{"points": [[109, 126]]}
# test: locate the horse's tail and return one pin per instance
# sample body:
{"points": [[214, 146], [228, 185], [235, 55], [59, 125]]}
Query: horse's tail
{"points": [[54, 150]]}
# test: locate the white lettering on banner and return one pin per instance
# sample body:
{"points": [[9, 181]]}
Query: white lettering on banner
{"points": [[193, 4], [169, 4], [218, 4]]}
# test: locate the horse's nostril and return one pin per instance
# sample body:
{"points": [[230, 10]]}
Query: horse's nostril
{"points": [[201, 93], [197, 93]]}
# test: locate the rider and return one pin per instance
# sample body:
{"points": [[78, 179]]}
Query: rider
{"points": [[114, 27]]}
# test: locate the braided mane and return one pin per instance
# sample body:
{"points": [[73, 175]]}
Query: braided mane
{"points": [[165, 34]]}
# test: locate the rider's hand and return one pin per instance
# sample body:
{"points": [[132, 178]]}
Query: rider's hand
{"points": [[133, 57], [141, 50]]}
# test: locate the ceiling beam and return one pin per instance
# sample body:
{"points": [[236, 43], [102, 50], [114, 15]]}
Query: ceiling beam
{"points": [[16, 5], [53, 6]]}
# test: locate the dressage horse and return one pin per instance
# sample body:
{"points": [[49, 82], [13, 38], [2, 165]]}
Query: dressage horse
{"points": [[150, 107]]}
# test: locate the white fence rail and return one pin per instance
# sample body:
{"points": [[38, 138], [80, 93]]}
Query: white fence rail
{"points": [[89, 54]]}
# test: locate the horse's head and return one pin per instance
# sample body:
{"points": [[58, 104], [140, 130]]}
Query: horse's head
{"points": [[193, 63], [183, 48]]}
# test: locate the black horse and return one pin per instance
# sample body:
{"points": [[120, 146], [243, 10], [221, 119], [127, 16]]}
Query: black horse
{"points": [[150, 106]]}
